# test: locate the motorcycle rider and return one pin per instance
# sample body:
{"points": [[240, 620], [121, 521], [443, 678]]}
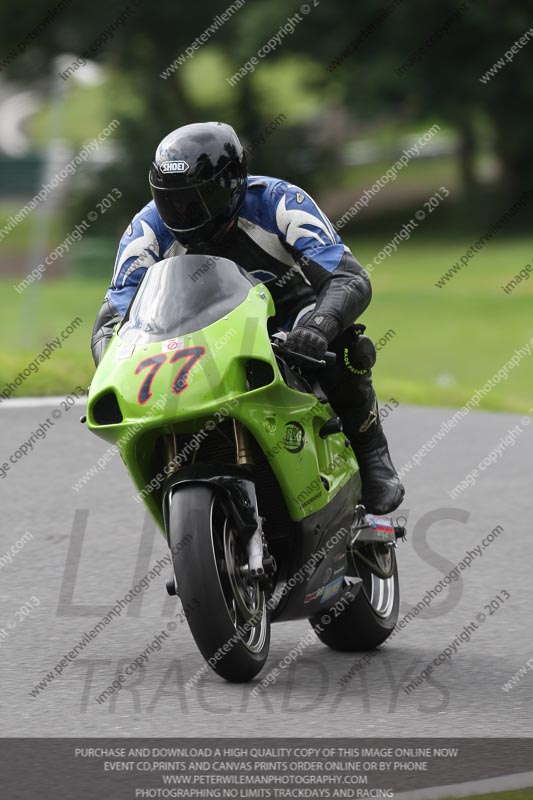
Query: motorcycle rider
{"points": [[204, 202]]}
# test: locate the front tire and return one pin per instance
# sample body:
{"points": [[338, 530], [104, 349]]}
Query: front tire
{"points": [[371, 617], [226, 612]]}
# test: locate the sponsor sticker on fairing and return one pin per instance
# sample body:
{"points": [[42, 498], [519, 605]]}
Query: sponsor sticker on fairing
{"points": [[172, 344], [332, 589], [314, 595]]}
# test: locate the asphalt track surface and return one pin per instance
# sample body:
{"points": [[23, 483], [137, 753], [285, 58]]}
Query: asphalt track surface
{"points": [[88, 548]]}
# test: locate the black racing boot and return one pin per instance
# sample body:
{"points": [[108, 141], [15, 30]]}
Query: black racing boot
{"points": [[382, 488]]}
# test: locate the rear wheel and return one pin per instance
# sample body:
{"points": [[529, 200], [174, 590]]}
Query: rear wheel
{"points": [[226, 612], [371, 616]]}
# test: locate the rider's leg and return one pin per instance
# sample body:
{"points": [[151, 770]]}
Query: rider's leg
{"points": [[354, 400], [352, 397]]}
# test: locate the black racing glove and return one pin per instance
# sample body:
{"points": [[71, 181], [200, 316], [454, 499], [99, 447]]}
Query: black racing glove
{"points": [[307, 341]]}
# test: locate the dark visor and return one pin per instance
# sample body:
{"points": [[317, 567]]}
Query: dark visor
{"points": [[192, 206]]}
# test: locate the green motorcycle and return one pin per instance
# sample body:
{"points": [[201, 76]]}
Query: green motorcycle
{"points": [[243, 464]]}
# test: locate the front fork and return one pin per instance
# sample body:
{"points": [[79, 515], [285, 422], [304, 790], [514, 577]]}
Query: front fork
{"points": [[243, 499], [256, 548]]}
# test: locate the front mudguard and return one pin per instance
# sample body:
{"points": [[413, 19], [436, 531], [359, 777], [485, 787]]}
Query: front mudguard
{"points": [[235, 484]]}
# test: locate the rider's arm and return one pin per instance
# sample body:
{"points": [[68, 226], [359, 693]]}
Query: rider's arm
{"points": [[340, 282], [138, 249], [104, 324]]}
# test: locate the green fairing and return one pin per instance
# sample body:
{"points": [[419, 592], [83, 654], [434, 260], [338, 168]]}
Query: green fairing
{"points": [[215, 381]]}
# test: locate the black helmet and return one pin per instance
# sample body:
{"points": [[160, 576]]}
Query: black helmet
{"points": [[198, 180]]}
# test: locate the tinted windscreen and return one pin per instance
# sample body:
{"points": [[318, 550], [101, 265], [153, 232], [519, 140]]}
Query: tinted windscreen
{"points": [[182, 295]]}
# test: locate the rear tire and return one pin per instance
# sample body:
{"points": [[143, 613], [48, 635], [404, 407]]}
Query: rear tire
{"points": [[371, 616], [227, 613]]}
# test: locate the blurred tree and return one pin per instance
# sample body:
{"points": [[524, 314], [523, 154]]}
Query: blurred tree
{"points": [[470, 38], [450, 47], [140, 49], [352, 54]]}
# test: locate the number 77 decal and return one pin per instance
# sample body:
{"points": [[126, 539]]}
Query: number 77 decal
{"points": [[154, 363]]}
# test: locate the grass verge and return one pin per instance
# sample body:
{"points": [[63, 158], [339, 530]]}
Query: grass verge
{"points": [[438, 345]]}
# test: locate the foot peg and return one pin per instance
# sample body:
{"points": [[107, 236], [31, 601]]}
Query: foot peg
{"points": [[171, 585]]}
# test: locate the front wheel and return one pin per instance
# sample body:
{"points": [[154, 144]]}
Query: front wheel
{"points": [[371, 616], [227, 613]]}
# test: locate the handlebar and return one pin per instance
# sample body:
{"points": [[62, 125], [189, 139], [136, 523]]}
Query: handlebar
{"points": [[330, 359]]}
